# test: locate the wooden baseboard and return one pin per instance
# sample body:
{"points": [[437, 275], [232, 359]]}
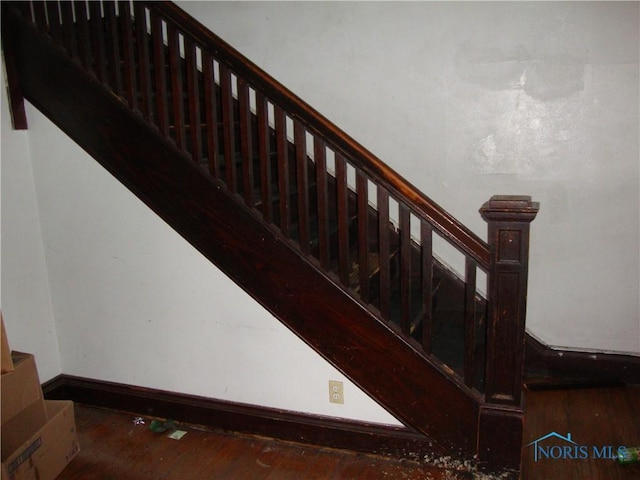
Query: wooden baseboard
{"points": [[546, 367], [399, 442]]}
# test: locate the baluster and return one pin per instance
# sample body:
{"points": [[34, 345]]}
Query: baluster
{"points": [[193, 96], [128, 61], [384, 252], [84, 42], [228, 127], [55, 29], [68, 29], [98, 41], [470, 321], [426, 241], [283, 168], [211, 109], [319, 152], [113, 48], [303, 184], [363, 235], [343, 218], [40, 16], [160, 74], [177, 88], [246, 146], [264, 150], [405, 267], [144, 73]]}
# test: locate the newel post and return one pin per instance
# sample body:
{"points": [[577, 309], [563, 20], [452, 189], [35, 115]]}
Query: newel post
{"points": [[508, 219], [500, 428]]}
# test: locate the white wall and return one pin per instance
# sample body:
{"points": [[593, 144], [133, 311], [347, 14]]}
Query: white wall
{"points": [[25, 298], [473, 99]]}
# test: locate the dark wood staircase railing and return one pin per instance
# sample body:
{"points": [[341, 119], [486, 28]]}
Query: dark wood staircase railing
{"points": [[281, 199]]}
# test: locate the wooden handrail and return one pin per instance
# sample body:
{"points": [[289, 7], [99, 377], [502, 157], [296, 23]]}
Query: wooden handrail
{"points": [[444, 223]]}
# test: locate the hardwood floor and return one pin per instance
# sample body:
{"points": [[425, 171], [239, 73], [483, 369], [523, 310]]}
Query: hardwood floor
{"points": [[114, 448], [595, 418]]}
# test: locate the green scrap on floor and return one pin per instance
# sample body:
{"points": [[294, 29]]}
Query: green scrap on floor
{"points": [[158, 426]]}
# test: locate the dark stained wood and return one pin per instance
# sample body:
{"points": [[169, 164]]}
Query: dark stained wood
{"points": [[443, 222], [384, 252], [499, 432], [53, 16], [112, 46], [160, 74], [596, 417], [193, 99], [508, 219], [324, 245], [191, 214], [211, 109], [177, 87], [405, 268], [264, 150], [277, 276], [246, 141], [228, 416], [426, 262], [342, 218], [113, 446], [128, 60], [40, 15], [84, 42], [547, 368], [16, 99], [144, 61], [362, 190], [470, 321], [68, 29], [283, 169], [228, 131], [302, 185], [97, 41]]}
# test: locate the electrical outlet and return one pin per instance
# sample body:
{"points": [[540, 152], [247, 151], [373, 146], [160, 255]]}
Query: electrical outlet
{"points": [[336, 392]]}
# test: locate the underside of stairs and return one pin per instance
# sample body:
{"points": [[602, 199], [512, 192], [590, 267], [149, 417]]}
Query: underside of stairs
{"points": [[325, 236]]}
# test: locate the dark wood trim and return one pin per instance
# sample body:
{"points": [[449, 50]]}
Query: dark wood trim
{"points": [[14, 89], [547, 367], [414, 388], [305, 428]]}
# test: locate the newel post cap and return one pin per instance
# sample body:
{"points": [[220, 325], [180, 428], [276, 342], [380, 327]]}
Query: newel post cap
{"points": [[515, 208]]}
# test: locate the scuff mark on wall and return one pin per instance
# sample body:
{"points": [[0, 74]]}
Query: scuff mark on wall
{"points": [[545, 78]]}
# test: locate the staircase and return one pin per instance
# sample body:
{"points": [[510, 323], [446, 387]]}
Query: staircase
{"points": [[329, 239]]}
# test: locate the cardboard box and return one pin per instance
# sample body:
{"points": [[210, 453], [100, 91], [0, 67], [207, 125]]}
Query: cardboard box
{"points": [[48, 451], [5, 351], [20, 389]]}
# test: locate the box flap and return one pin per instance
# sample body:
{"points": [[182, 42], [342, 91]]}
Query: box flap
{"points": [[45, 454], [21, 388], [5, 351]]}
